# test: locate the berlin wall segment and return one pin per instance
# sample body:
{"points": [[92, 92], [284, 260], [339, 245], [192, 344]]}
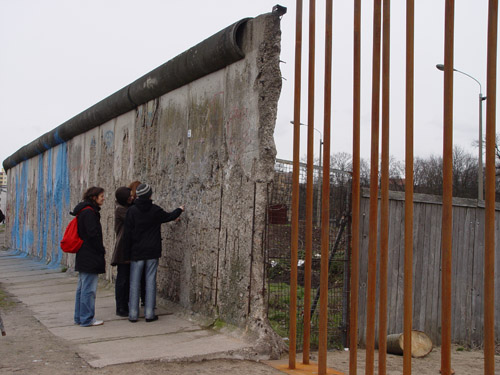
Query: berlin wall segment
{"points": [[208, 145]]}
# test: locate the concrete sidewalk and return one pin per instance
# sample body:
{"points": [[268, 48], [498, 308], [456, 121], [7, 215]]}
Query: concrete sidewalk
{"points": [[50, 294]]}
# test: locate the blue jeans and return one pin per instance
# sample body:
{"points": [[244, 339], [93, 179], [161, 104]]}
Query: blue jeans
{"points": [[85, 298], [150, 267]]}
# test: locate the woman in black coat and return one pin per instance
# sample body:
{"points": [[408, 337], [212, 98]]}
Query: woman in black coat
{"points": [[122, 285], [143, 248], [90, 260]]}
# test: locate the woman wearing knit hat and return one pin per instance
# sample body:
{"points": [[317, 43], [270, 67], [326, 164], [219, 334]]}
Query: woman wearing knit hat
{"points": [[133, 187], [124, 198], [143, 248]]}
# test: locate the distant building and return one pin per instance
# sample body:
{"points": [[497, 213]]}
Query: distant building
{"points": [[3, 190], [3, 201], [3, 178]]}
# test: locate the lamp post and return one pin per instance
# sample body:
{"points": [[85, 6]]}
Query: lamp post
{"points": [[320, 140], [319, 174], [480, 160]]}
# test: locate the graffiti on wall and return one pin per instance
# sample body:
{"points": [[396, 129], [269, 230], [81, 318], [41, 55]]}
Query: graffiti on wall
{"points": [[50, 208]]}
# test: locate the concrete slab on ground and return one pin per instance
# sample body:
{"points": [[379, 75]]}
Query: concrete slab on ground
{"points": [[49, 293]]}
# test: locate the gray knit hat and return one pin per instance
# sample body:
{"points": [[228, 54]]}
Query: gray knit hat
{"points": [[144, 191]]}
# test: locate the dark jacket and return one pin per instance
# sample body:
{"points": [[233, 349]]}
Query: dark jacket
{"points": [[142, 229], [119, 253], [90, 257]]}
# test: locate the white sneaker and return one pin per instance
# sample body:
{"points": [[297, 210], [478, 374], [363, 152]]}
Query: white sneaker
{"points": [[97, 323]]}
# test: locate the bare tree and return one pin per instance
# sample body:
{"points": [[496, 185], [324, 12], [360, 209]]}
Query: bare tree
{"points": [[428, 174]]}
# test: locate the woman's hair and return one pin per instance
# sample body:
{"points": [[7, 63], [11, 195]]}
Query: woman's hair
{"points": [[92, 193], [133, 187], [122, 194]]}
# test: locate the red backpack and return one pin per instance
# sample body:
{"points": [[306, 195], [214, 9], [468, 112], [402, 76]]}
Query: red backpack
{"points": [[71, 241]]}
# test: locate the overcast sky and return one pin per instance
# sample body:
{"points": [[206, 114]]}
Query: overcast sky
{"points": [[59, 57]]}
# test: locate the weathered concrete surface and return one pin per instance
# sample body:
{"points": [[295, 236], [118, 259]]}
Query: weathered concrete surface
{"points": [[208, 145], [2, 235], [173, 337]]}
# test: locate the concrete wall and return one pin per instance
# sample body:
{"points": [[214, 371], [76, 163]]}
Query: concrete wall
{"points": [[212, 260]]}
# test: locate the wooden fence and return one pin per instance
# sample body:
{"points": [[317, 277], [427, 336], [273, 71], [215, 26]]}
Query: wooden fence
{"points": [[467, 271]]}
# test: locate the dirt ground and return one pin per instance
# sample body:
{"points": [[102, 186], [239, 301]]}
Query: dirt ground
{"points": [[29, 348]]}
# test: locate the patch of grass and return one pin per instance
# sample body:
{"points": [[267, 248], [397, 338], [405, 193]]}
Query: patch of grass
{"points": [[218, 324], [5, 301], [64, 269]]}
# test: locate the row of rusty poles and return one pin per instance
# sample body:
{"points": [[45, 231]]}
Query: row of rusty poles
{"points": [[372, 246], [325, 212]]}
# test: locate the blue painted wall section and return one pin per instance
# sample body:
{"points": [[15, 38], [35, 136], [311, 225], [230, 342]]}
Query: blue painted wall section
{"points": [[46, 204], [22, 235], [50, 211], [39, 207], [61, 199], [15, 242]]}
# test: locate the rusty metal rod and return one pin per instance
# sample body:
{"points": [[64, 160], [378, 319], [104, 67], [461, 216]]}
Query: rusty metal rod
{"points": [[295, 190], [353, 318], [309, 187], [325, 203], [446, 241], [408, 260], [489, 240], [384, 204], [372, 238]]}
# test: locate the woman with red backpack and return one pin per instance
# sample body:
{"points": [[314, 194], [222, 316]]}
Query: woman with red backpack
{"points": [[90, 260]]}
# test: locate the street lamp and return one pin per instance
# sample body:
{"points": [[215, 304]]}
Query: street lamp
{"points": [[481, 98], [320, 140]]}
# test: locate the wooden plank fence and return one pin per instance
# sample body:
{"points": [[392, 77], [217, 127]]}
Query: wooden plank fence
{"points": [[467, 268]]}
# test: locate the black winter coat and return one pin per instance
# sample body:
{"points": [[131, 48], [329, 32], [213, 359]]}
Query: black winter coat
{"points": [[90, 257], [119, 253], [142, 229]]}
